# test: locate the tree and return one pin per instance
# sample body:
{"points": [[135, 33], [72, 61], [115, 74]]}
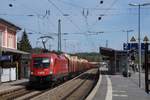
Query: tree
{"points": [[93, 56], [24, 44]]}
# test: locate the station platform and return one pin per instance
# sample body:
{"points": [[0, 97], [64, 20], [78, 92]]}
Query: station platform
{"points": [[13, 84], [117, 87]]}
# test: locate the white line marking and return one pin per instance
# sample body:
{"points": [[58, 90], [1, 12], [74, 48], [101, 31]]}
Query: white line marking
{"points": [[109, 89], [119, 91], [92, 94], [120, 95]]}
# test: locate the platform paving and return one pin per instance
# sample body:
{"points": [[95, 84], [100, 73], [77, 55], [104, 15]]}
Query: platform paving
{"points": [[117, 87]]}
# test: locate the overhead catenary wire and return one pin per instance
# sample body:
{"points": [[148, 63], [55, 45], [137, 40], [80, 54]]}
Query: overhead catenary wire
{"points": [[114, 2], [81, 7], [63, 14], [52, 24], [71, 4], [110, 14], [39, 16], [85, 14]]}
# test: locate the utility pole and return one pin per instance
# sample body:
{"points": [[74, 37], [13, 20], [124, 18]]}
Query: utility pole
{"points": [[59, 35], [139, 42], [146, 68], [139, 37], [146, 65], [106, 43]]}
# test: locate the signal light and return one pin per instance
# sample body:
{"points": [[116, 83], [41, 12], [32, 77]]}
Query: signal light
{"points": [[31, 73]]}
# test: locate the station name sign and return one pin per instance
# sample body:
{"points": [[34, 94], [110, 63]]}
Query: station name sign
{"points": [[129, 46]]}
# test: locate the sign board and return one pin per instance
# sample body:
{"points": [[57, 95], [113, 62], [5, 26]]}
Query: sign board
{"points": [[133, 39], [6, 58], [129, 46]]}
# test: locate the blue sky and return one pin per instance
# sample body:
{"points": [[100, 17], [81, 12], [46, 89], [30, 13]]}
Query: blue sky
{"points": [[116, 15]]}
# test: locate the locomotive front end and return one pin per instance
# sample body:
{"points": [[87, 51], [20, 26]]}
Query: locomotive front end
{"points": [[40, 70]]}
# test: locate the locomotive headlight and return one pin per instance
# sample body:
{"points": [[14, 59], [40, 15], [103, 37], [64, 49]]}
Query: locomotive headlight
{"points": [[52, 60], [31, 73], [51, 72]]}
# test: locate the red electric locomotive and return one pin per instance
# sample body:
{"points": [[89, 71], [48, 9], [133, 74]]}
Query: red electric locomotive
{"points": [[48, 67], [51, 67]]}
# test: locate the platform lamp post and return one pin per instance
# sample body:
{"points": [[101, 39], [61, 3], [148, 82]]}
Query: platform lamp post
{"points": [[139, 37]]}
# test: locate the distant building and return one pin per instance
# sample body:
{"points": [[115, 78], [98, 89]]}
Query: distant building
{"points": [[10, 57], [117, 59], [8, 34]]}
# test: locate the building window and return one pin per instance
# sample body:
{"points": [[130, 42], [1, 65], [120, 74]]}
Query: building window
{"points": [[11, 41]]}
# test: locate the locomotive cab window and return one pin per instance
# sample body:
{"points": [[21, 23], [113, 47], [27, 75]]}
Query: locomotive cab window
{"points": [[41, 62]]}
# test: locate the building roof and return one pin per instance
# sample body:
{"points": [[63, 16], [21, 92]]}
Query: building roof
{"points": [[13, 51], [107, 51], [9, 24], [111, 52]]}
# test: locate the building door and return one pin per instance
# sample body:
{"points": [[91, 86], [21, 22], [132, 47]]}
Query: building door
{"points": [[5, 76], [13, 74]]}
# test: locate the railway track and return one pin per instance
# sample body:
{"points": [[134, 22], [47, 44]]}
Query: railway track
{"points": [[20, 94], [30, 95], [14, 93], [81, 90], [76, 89]]}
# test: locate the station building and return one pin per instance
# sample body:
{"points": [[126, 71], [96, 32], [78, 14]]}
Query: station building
{"points": [[116, 59], [13, 62]]}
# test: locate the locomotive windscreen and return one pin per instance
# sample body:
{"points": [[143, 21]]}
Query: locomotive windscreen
{"points": [[39, 62]]}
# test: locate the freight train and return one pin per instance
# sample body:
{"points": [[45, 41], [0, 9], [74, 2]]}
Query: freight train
{"points": [[52, 67]]}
